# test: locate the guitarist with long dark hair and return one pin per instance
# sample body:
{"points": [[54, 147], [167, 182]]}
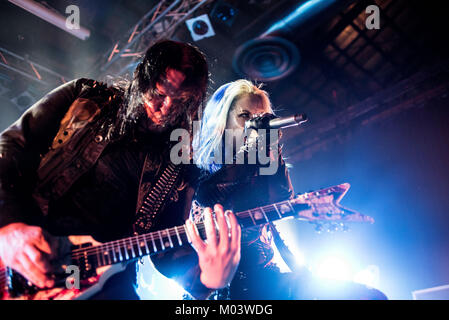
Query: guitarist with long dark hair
{"points": [[85, 158]]}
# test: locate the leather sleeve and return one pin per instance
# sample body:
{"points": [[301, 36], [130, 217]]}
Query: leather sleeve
{"points": [[21, 146]]}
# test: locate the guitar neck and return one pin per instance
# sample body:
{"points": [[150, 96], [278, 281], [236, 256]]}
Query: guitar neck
{"points": [[128, 249]]}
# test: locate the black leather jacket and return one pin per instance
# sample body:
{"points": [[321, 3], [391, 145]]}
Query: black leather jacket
{"points": [[60, 140], [54, 143]]}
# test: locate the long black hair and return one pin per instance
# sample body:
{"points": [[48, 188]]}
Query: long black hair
{"points": [[163, 54]]}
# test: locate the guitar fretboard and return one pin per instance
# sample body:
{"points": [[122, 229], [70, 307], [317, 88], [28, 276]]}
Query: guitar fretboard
{"points": [[155, 242]]}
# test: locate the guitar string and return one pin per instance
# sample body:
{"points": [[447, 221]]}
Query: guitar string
{"points": [[124, 243], [155, 235], [171, 232], [138, 239], [158, 236]]}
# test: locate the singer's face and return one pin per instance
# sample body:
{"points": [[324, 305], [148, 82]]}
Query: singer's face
{"points": [[246, 108]]}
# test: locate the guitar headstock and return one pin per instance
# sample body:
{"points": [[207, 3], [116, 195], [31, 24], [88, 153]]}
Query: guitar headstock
{"points": [[324, 206]]}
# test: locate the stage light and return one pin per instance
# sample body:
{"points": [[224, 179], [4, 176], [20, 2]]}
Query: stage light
{"points": [[291, 242], [152, 285], [369, 276], [279, 261], [299, 258], [52, 17], [435, 293], [200, 27], [333, 267], [224, 13]]}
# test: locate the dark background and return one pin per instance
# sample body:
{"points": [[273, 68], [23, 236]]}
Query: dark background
{"points": [[376, 99]]}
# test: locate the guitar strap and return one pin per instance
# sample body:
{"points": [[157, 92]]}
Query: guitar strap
{"points": [[155, 198]]}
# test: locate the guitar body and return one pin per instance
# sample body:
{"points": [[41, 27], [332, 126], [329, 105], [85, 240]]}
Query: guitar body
{"points": [[88, 287]]}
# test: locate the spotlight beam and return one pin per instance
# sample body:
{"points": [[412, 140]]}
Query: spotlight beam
{"points": [[54, 18]]}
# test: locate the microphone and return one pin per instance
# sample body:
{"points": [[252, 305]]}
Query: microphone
{"points": [[267, 122]]}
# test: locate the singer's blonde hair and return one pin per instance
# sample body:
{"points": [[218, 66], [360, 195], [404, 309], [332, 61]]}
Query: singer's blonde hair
{"points": [[215, 115]]}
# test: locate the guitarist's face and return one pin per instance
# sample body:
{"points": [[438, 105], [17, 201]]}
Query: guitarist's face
{"points": [[165, 102]]}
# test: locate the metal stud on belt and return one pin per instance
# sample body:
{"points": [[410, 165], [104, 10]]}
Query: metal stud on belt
{"points": [[155, 198]]}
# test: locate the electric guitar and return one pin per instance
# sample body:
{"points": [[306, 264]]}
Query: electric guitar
{"points": [[96, 262]]}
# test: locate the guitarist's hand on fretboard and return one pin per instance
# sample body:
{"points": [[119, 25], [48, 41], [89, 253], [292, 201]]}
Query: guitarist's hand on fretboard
{"points": [[219, 256]]}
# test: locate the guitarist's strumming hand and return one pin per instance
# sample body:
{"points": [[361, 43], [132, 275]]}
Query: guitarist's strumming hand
{"points": [[218, 256], [27, 249]]}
